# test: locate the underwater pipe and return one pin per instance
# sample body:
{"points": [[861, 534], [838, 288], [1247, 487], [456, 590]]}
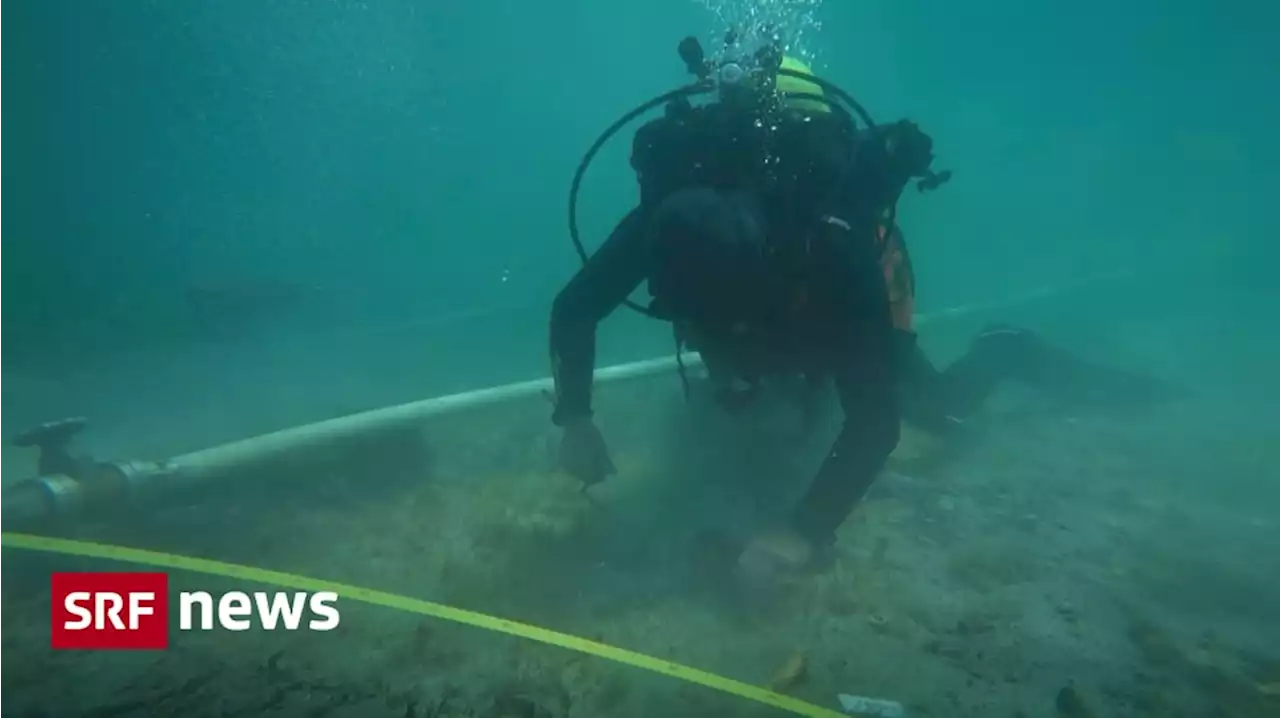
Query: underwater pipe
{"points": [[62, 497], [59, 497]]}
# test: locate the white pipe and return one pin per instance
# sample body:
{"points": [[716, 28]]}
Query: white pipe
{"points": [[62, 495], [202, 465], [208, 463]]}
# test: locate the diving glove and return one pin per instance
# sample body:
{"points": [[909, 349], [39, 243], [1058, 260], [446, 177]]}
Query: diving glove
{"points": [[584, 454]]}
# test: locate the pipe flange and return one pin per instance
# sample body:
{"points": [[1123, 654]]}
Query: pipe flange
{"points": [[65, 495], [129, 478]]}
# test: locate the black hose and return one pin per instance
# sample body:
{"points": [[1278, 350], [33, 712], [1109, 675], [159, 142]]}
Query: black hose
{"points": [[683, 92]]}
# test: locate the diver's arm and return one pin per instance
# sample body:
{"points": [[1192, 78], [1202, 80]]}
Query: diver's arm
{"points": [[612, 273], [861, 344]]}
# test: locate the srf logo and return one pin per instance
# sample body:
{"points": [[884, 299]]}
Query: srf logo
{"points": [[114, 611], [110, 611]]}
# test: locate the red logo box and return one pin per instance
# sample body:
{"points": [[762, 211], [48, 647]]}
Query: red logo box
{"points": [[110, 611]]}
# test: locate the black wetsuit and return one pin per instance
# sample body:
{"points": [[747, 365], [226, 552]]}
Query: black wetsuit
{"points": [[759, 232]]}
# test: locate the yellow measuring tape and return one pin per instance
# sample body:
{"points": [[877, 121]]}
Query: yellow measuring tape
{"points": [[156, 559]]}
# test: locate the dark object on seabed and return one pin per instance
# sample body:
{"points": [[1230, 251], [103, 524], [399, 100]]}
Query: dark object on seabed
{"points": [[517, 707], [1071, 705]]}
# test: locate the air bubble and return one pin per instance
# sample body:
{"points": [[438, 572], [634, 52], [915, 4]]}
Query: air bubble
{"points": [[760, 23]]}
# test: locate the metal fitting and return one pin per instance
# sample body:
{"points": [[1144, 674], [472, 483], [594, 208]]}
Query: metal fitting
{"points": [[129, 479], [64, 494]]}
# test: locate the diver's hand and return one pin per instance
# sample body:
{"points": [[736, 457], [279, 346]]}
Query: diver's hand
{"points": [[775, 555], [583, 453]]}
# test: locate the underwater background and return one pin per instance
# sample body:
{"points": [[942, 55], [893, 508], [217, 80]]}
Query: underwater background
{"points": [[228, 218]]}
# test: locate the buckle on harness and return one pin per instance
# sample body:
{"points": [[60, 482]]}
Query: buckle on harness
{"points": [[832, 219]]}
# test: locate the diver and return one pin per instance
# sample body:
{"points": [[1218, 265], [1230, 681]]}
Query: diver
{"points": [[756, 231]]}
